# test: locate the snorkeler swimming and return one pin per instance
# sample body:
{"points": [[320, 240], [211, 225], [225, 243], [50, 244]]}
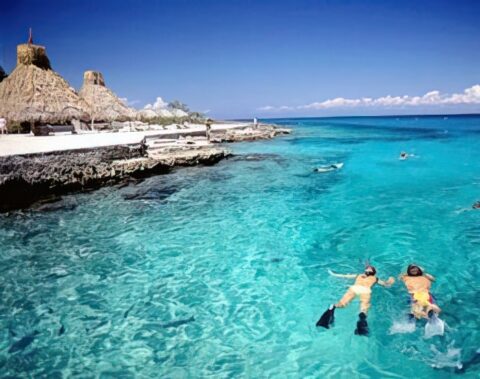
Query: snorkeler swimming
{"points": [[361, 288], [423, 304], [328, 168], [418, 286]]}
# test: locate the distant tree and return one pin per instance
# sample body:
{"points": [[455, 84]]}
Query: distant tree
{"points": [[196, 116], [175, 104]]}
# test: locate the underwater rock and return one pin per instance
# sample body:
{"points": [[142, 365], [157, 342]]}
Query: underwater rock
{"points": [[22, 343], [57, 205], [152, 194]]}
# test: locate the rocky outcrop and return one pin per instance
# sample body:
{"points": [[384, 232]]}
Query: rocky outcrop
{"points": [[249, 134], [30, 178], [103, 104]]}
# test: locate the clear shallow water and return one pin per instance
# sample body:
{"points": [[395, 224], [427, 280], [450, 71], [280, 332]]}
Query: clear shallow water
{"points": [[222, 271]]}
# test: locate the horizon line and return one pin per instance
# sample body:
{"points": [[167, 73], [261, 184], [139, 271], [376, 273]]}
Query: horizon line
{"points": [[361, 116]]}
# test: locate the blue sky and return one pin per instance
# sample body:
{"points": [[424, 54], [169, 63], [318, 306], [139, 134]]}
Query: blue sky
{"points": [[263, 58]]}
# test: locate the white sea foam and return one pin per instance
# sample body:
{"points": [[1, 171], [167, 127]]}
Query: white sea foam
{"points": [[402, 327], [450, 358]]}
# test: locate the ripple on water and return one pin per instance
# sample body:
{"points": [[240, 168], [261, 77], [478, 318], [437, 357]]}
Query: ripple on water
{"points": [[222, 271]]}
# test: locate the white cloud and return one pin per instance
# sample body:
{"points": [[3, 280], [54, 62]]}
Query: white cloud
{"points": [[274, 109], [469, 96], [266, 108], [159, 104], [127, 102]]}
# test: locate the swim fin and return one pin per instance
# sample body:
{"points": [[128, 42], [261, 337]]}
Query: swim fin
{"points": [[327, 318], [362, 325], [434, 326]]}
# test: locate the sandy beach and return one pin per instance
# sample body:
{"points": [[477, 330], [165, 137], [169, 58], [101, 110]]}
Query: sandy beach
{"points": [[18, 144]]}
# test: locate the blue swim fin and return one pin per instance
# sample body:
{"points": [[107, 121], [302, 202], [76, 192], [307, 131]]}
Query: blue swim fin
{"points": [[362, 325], [327, 318]]}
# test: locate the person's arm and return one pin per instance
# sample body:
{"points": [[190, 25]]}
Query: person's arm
{"points": [[429, 277], [402, 276], [387, 283], [348, 276]]}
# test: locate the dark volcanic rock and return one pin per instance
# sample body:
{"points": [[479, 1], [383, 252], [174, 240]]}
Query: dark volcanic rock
{"points": [[29, 178], [25, 179]]}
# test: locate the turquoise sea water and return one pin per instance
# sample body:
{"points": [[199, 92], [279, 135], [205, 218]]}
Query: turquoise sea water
{"points": [[221, 272]]}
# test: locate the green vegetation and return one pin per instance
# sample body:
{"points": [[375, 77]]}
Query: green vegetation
{"points": [[175, 104]]}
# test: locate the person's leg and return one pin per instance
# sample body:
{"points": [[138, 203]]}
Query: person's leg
{"points": [[365, 302], [418, 310], [347, 298], [435, 308]]}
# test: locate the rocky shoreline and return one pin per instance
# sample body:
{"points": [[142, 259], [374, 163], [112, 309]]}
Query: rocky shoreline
{"points": [[27, 179]]}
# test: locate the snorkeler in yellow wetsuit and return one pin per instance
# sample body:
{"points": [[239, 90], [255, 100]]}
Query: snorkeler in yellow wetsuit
{"points": [[418, 286]]}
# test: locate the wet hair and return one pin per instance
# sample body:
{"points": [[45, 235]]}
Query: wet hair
{"points": [[412, 267], [370, 269]]}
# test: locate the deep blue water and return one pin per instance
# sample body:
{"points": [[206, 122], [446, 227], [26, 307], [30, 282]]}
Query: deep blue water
{"points": [[221, 271]]}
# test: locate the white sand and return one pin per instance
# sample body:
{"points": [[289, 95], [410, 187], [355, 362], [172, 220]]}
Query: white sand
{"points": [[15, 144]]}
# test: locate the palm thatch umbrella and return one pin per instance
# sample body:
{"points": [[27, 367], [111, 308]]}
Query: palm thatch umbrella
{"points": [[34, 93], [102, 103]]}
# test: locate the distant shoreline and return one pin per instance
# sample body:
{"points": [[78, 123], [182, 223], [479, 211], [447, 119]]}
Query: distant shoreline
{"points": [[46, 168], [363, 116]]}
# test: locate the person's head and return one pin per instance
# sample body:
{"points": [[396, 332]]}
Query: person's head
{"points": [[370, 270], [403, 154], [476, 205], [414, 270]]}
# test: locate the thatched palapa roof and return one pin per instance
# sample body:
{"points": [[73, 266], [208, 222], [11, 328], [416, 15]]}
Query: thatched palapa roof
{"points": [[34, 92], [103, 104]]}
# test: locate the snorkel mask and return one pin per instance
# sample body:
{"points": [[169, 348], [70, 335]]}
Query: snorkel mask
{"points": [[414, 270], [370, 270]]}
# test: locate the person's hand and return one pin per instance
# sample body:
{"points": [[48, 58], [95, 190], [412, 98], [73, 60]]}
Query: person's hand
{"points": [[390, 281]]}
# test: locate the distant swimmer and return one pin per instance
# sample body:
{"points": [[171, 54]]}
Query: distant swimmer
{"points": [[403, 156], [361, 288], [475, 205], [328, 168]]}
